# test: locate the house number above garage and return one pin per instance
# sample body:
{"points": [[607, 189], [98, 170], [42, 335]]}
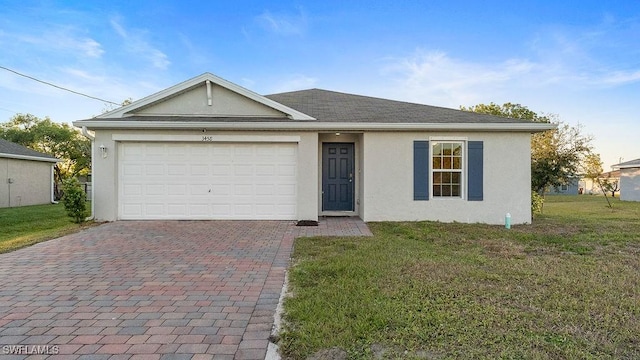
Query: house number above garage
{"points": [[207, 138]]}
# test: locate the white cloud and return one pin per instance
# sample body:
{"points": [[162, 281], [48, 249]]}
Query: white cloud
{"points": [[437, 78], [620, 77], [136, 43], [284, 24], [60, 39]]}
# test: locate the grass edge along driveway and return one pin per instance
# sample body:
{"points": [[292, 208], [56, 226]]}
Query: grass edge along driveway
{"points": [[567, 286], [27, 225]]}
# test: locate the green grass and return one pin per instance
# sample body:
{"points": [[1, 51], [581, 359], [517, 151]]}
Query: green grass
{"points": [[28, 225], [567, 286]]}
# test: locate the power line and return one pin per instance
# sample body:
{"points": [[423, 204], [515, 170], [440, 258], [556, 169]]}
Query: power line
{"points": [[58, 87]]}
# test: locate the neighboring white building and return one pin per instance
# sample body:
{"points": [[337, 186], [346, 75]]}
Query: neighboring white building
{"points": [[210, 149], [629, 180], [26, 176]]}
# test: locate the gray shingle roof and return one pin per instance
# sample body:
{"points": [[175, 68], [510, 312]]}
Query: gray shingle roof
{"points": [[331, 106], [630, 163], [9, 148]]}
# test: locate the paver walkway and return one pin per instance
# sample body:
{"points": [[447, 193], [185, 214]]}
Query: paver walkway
{"points": [[151, 290]]}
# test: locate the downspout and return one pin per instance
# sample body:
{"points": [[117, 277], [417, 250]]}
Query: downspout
{"points": [[53, 180], [93, 189]]}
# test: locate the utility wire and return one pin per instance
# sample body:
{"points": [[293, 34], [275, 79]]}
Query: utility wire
{"points": [[59, 87]]}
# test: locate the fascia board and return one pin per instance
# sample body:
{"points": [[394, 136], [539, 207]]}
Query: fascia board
{"points": [[314, 126], [631, 166], [26, 157]]}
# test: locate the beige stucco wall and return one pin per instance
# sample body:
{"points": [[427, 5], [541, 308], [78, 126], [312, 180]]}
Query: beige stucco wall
{"points": [[105, 175], [388, 184], [224, 103], [630, 184], [384, 175], [31, 182]]}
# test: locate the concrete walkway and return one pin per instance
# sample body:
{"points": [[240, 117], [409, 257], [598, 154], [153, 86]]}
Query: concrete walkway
{"points": [[151, 290]]}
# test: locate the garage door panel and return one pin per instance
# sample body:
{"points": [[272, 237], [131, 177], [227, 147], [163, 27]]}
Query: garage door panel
{"points": [[199, 189], [199, 170], [243, 170], [155, 209], [154, 169], [207, 181], [176, 210], [177, 189], [177, 169], [243, 190], [265, 189], [199, 210]]}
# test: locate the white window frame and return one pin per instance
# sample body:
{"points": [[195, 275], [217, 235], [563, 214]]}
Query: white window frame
{"points": [[463, 166]]}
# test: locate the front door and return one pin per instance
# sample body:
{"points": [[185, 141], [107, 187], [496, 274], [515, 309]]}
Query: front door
{"points": [[337, 176]]}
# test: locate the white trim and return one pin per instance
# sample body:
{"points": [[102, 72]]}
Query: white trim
{"points": [[630, 166], [314, 126], [448, 138], [27, 157], [126, 110], [205, 138], [464, 171]]}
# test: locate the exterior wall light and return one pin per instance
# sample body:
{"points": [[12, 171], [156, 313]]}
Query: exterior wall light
{"points": [[103, 150]]}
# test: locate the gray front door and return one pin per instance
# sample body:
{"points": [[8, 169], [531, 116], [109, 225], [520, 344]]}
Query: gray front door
{"points": [[337, 176]]}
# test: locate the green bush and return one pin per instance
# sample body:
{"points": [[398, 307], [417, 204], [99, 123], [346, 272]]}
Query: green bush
{"points": [[74, 199], [537, 202]]}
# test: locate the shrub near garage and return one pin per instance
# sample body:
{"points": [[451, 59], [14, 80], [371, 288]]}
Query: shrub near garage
{"points": [[74, 199]]}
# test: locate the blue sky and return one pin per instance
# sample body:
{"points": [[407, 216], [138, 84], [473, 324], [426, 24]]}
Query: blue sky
{"points": [[577, 59]]}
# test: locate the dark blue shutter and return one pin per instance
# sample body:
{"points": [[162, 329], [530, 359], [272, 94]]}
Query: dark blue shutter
{"points": [[476, 172], [420, 170]]}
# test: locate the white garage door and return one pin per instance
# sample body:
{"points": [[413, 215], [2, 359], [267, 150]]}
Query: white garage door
{"points": [[237, 181]]}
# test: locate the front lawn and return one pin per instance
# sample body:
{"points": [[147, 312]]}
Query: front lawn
{"points": [[567, 286], [27, 225]]}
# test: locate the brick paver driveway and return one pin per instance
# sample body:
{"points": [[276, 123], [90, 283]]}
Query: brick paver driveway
{"points": [[150, 290]]}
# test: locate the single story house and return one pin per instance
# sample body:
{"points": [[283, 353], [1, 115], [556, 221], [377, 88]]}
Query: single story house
{"points": [[572, 187], [592, 187], [209, 149], [629, 180], [26, 176]]}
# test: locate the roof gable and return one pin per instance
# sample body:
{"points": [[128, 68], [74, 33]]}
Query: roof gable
{"points": [[206, 95], [12, 150]]}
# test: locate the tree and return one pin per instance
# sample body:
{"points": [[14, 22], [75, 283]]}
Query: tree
{"points": [[112, 106], [593, 170], [59, 140], [610, 184], [556, 155]]}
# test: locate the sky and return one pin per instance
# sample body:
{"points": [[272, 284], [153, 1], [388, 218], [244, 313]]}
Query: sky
{"points": [[577, 60]]}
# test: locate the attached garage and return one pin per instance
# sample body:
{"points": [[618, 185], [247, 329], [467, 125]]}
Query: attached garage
{"points": [[207, 180]]}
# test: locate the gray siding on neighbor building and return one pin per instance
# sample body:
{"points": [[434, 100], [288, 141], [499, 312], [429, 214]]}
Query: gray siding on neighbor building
{"points": [[24, 182], [630, 184]]}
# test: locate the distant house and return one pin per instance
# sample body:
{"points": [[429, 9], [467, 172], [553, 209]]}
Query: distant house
{"points": [[592, 187], [572, 187], [629, 180], [26, 176]]}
